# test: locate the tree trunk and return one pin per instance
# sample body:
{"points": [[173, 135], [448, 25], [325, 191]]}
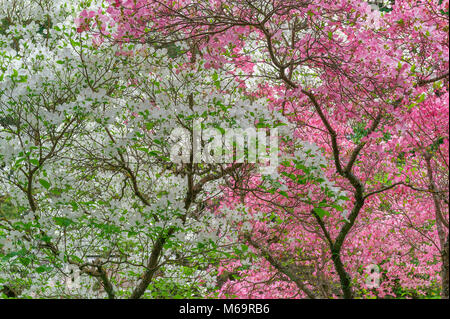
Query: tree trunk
{"points": [[440, 223], [444, 293]]}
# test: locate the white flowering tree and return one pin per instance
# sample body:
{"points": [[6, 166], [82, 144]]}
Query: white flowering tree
{"points": [[91, 204]]}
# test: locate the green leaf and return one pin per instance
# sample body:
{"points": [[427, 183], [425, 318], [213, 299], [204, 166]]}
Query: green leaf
{"points": [[76, 258], [42, 268], [56, 191], [321, 212], [25, 261], [63, 221], [283, 193], [337, 207], [421, 98], [330, 35], [44, 183], [215, 76], [401, 22]]}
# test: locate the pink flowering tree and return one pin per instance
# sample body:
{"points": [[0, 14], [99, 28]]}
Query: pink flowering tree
{"points": [[358, 205]]}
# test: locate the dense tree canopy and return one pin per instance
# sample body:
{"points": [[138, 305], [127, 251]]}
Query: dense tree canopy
{"points": [[95, 202]]}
